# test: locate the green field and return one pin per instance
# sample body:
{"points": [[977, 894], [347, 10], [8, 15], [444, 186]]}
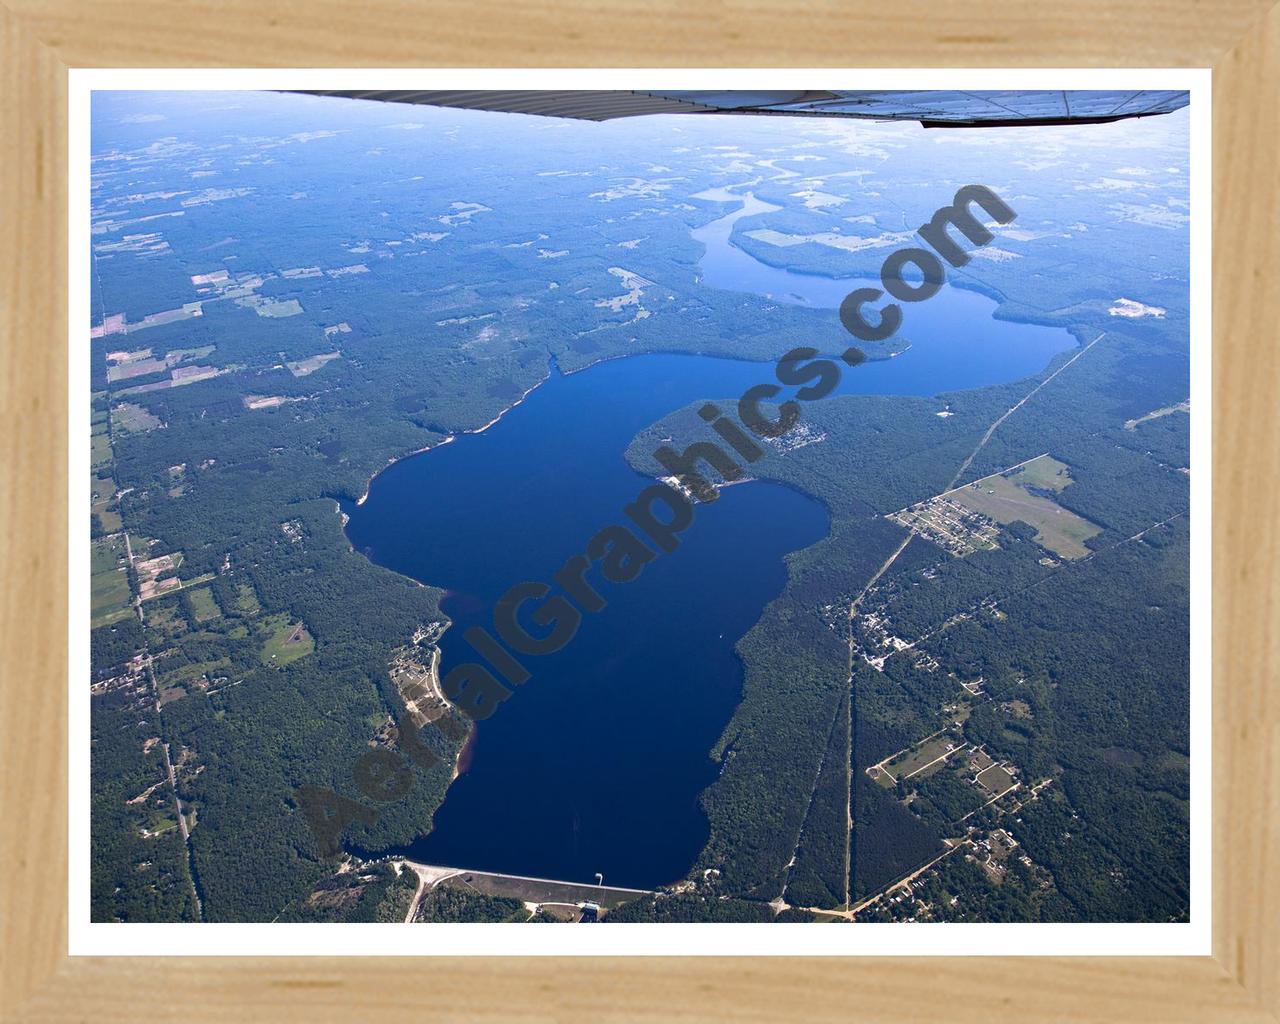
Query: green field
{"points": [[920, 757], [303, 367], [102, 492], [99, 449], [286, 640], [110, 519], [106, 554], [108, 583], [189, 673], [203, 604], [995, 780], [134, 418], [135, 368], [1006, 500], [101, 489], [183, 355], [1045, 472], [247, 600]]}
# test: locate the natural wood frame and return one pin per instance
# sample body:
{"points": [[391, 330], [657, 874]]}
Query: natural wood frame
{"points": [[40, 39]]}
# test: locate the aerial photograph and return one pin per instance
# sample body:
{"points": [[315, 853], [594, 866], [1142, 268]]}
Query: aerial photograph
{"points": [[628, 507]]}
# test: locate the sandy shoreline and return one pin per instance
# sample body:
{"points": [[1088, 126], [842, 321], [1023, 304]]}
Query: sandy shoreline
{"points": [[526, 394]]}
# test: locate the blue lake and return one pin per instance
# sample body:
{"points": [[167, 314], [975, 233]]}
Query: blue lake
{"points": [[596, 763]]}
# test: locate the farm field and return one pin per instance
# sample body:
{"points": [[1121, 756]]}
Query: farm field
{"points": [[303, 367], [1008, 499], [99, 447], [109, 585], [101, 489]]}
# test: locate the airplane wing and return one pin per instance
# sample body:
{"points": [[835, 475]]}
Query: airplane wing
{"points": [[932, 108]]}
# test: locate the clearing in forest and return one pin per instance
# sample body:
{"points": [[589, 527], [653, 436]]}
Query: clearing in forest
{"points": [[286, 640], [1026, 494]]}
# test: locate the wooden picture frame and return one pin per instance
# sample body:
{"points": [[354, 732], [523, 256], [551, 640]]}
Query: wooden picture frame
{"points": [[42, 39]]}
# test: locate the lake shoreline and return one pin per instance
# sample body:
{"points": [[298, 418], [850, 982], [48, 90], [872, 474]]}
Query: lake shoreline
{"points": [[447, 835]]}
